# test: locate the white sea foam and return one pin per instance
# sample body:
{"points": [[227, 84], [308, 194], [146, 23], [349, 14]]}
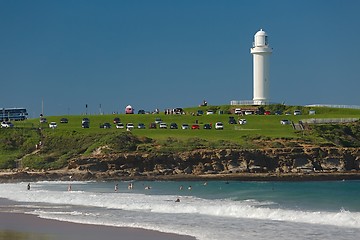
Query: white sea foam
{"points": [[248, 209]]}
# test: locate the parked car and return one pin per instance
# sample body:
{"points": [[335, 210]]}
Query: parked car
{"points": [[285, 122], [152, 125], [53, 125], [185, 126], [209, 112], [141, 111], [232, 120], [297, 112], [141, 126], [200, 112], [163, 125], [64, 120], [85, 120], [85, 124], [129, 126], [242, 121], [5, 124], [173, 126], [116, 120], [267, 113], [178, 111], [158, 120], [43, 120], [195, 126], [105, 125], [237, 111], [120, 125], [207, 126], [249, 113], [219, 126]]}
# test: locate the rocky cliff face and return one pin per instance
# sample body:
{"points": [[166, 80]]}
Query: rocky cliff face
{"points": [[230, 161]]}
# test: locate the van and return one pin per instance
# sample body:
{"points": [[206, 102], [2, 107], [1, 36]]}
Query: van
{"points": [[237, 111]]}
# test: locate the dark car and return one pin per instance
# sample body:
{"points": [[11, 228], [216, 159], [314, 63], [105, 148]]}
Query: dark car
{"points": [[85, 120], [116, 120], [141, 111], [152, 125], [232, 120], [178, 111], [105, 125], [207, 126], [199, 112], [85, 125], [141, 126], [173, 126], [43, 120], [64, 120]]}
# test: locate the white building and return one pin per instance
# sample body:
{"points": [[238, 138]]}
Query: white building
{"points": [[261, 68]]}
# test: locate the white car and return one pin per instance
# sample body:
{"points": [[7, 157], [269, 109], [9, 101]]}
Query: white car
{"points": [[209, 112], [163, 125], [242, 121], [248, 113], [6, 124], [237, 111], [219, 126], [129, 126], [185, 126], [285, 122], [120, 125], [158, 120], [53, 125], [297, 112]]}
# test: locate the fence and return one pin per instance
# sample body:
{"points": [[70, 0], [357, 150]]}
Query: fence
{"points": [[334, 106], [329, 120]]}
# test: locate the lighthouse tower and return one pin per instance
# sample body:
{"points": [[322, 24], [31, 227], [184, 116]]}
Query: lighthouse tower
{"points": [[261, 54]]}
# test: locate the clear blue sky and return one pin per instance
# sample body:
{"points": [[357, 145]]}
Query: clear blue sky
{"points": [[167, 53]]}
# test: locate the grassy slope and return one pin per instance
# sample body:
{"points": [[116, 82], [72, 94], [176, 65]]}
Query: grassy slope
{"points": [[70, 139]]}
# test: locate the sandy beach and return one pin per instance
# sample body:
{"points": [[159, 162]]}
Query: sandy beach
{"points": [[20, 226]]}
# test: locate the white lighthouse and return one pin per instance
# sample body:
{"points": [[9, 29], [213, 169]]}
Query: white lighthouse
{"points": [[261, 54]]}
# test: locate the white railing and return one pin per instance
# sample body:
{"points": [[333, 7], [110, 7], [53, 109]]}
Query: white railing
{"points": [[329, 120], [249, 102], [334, 106]]}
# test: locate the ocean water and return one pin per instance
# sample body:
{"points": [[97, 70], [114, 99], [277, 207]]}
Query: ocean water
{"points": [[208, 211]]}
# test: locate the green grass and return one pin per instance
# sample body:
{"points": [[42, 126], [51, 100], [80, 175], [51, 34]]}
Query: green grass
{"points": [[70, 139], [267, 126]]}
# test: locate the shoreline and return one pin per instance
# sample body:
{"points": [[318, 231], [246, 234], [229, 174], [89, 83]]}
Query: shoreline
{"points": [[16, 226], [76, 175]]}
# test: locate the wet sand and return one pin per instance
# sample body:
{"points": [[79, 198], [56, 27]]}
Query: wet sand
{"points": [[20, 226]]}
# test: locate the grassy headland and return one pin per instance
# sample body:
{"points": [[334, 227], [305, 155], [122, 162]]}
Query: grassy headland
{"points": [[69, 140]]}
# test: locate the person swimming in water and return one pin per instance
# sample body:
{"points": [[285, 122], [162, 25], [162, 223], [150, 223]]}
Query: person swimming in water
{"points": [[28, 186], [116, 187]]}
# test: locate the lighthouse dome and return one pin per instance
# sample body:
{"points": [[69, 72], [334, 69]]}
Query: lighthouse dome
{"points": [[260, 39]]}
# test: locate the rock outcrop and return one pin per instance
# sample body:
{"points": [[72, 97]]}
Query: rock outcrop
{"points": [[228, 161]]}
